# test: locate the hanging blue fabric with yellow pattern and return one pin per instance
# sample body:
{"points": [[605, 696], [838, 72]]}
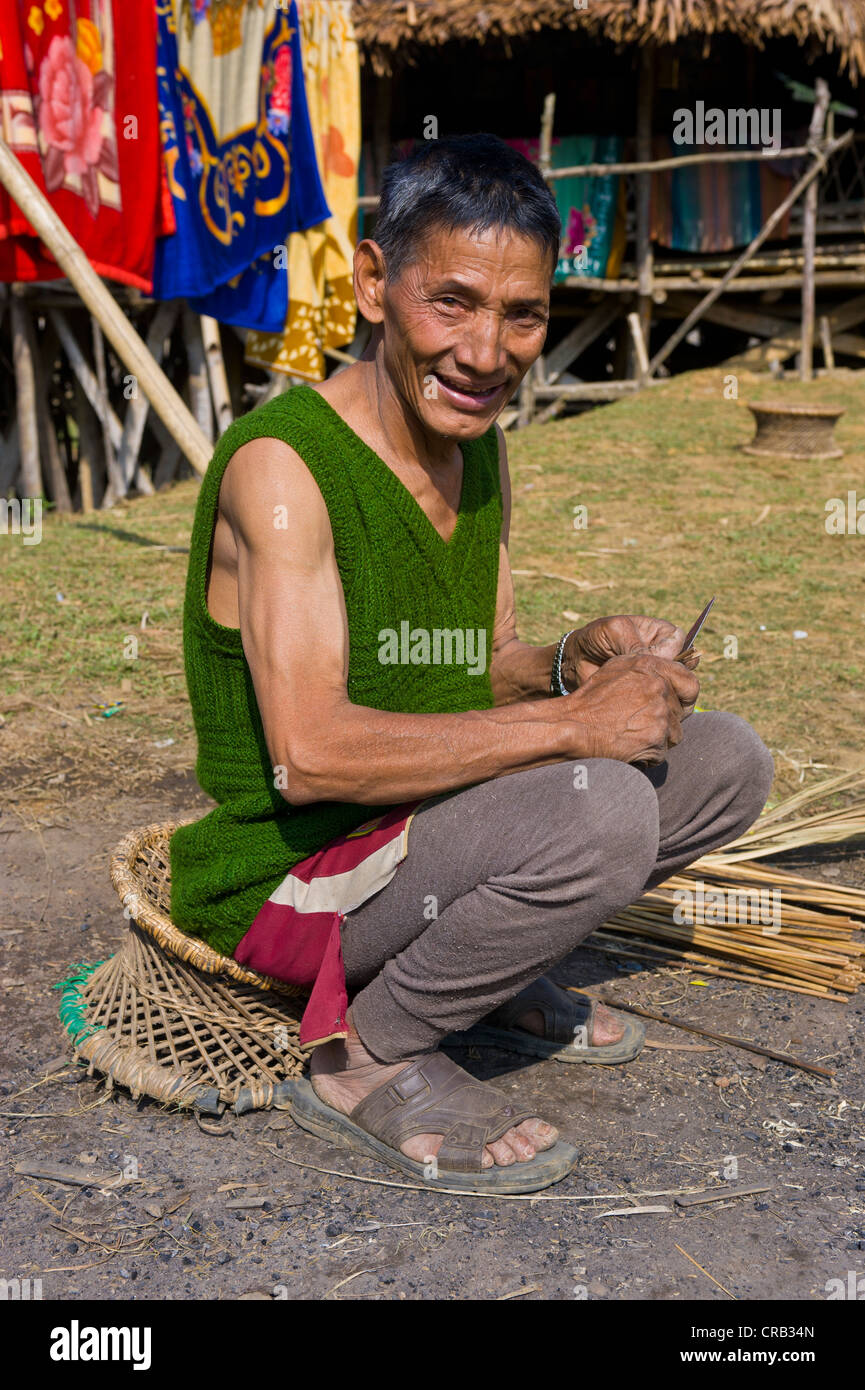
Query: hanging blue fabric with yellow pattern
{"points": [[239, 157]]}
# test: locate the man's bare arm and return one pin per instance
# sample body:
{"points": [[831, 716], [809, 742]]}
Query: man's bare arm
{"points": [[295, 636]]}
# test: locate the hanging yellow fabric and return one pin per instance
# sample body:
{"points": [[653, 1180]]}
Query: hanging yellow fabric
{"points": [[321, 308]]}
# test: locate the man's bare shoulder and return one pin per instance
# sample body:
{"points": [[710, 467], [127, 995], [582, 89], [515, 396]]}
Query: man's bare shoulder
{"points": [[267, 490]]}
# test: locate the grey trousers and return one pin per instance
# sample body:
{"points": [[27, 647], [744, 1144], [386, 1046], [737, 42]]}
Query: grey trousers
{"points": [[504, 879]]}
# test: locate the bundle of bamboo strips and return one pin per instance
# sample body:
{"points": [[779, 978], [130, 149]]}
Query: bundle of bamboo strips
{"points": [[784, 828], [716, 915]]}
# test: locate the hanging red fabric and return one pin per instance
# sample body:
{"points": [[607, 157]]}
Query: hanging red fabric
{"points": [[78, 107]]}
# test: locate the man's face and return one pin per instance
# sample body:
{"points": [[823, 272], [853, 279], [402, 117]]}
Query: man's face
{"points": [[462, 325]]}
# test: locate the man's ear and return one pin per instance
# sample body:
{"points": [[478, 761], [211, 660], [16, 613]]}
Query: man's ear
{"points": [[369, 280]]}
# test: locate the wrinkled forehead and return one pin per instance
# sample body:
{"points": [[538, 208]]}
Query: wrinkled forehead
{"points": [[495, 254]]}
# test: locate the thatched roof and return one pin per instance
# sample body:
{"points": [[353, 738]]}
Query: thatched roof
{"points": [[392, 31]]}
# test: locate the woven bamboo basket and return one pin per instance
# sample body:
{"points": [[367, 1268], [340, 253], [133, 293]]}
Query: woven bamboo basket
{"points": [[794, 431], [170, 1018]]}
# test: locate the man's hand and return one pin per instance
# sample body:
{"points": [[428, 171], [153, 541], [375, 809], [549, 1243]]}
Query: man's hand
{"points": [[632, 707], [592, 646]]}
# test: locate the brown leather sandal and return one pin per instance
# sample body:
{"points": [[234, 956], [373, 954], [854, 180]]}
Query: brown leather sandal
{"points": [[435, 1096], [568, 1022]]}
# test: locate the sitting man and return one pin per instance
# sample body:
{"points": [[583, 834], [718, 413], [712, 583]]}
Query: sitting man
{"points": [[352, 657]]}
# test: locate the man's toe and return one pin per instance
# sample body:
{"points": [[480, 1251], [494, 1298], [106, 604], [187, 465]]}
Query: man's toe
{"points": [[539, 1134], [502, 1152], [607, 1027]]}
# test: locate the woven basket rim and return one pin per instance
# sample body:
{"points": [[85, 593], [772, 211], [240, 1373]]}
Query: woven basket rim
{"points": [[175, 942], [821, 412]]}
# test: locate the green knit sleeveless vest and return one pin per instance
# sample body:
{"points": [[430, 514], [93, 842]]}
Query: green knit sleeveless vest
{"points": [[411, 599]]}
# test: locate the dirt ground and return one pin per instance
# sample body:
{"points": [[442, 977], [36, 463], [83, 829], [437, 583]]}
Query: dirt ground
{"points": [[676, 1118]]}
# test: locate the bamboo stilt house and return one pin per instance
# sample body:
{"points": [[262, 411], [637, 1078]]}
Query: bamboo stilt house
{"points": [[582, 84], [393, 32], [666, 263]]}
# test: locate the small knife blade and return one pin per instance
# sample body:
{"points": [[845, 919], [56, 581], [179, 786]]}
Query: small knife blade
{"points": [[695, 630]]}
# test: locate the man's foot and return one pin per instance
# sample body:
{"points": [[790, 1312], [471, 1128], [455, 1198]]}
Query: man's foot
{"points": [[606, 1027], [343, 1073], [566, 1026]]}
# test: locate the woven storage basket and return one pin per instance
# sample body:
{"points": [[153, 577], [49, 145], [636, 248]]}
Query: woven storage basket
{"points": [[170, 1018], [794, 431]]}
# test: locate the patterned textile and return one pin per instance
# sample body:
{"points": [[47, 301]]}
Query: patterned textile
{"points": [[78, 107], [296, 935], [591, 208], [239, 154], [322, 311], [713, 207]]}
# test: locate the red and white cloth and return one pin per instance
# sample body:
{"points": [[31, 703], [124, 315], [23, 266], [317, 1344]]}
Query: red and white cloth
{"points": [[296, 935]]}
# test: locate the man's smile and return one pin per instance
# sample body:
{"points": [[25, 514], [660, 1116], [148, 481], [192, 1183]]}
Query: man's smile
{"points": [[467, 395]]}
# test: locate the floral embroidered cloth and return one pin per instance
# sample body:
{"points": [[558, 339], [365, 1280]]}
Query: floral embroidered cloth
{"points": [[239, 156], [296, 935], [322, 311], [78, 107]]}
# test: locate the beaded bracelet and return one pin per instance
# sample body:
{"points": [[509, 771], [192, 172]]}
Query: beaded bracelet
{"points": [[557, 685]]}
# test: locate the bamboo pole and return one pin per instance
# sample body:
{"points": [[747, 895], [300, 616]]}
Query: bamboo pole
{"points": [[826, 343], [640, 353], [533, 376], [216, 373], [48, 446], [116, 483], [850, 254], [85, 375], [370, 201], [780, 334], [25, 390], [809, 238], [10, 459], [199, 391], [545, 147], [139, 406], [589, 390], [645, 278], [847, 315], [549, 412], [657, 166], [90, 464], [169, 458], [768, 226], [578, 339], [749, 284], [279, 382], [527, 398], [165, 400]]}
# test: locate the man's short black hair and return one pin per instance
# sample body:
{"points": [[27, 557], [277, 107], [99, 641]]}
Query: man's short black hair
{"points": [[462, 182]]}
